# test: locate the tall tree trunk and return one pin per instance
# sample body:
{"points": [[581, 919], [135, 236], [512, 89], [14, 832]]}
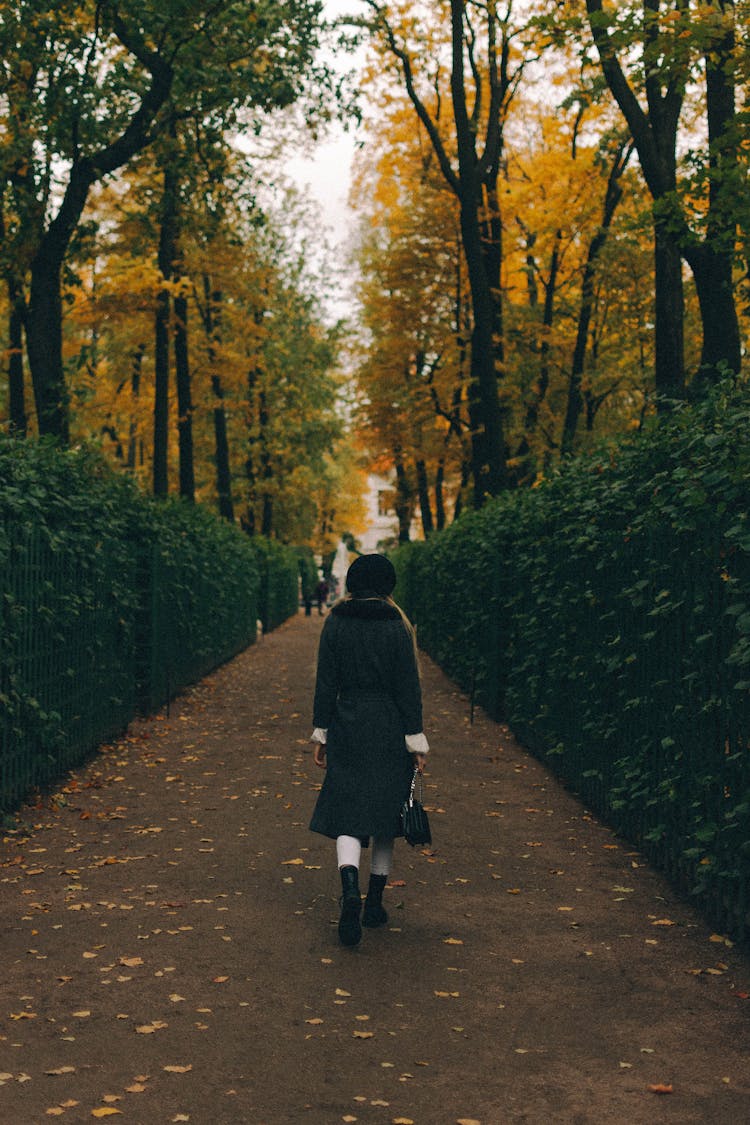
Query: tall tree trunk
{"points": [[16, 400], [712, 261], [439, 498], [548, 315], [612, 197], [266, 525], [423, 493], [44, 343], [475, 187], [249, 520], [458, 507], [488, 441], [655, 137], [166, 258], [136, 365], [213, 300], [44, 325], [669, 310], [404, 500], [184, 399]]}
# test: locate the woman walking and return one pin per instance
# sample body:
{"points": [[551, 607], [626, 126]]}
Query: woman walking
{"points": [[367, 717]]}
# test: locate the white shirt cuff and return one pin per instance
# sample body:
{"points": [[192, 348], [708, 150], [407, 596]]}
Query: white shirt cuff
{"points": [[319, 735], [417, 743]]}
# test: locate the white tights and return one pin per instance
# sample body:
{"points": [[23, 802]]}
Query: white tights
{"points": [[349, 852]]}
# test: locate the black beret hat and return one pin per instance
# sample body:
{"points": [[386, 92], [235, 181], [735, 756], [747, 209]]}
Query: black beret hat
{"points": [[371, 574]]}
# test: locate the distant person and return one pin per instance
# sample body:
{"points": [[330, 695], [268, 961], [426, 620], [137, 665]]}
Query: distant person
{"points": [[321, 594], [367, 716]]}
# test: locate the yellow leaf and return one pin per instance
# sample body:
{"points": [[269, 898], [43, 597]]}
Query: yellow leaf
{"points": [[105, 1111], [342, 992], [363, 1034], [452, 941], [292, 862], [131, 962], [402, 1121], [55, 1111], [82, 1014], [62, 1070], [314, 1021], [663, 922], [468, 1121], [177, 1069]]}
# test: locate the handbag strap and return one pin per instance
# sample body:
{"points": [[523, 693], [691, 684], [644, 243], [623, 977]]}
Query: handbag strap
{"points": [[417, 774]]}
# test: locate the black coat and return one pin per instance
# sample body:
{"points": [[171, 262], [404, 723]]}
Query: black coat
{"points": [[367, 695]]}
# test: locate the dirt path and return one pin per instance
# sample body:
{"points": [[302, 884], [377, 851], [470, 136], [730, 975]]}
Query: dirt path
{"points": [[170, 950]]}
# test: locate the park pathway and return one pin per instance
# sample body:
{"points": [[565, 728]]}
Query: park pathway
{"points": [[170, 952]]}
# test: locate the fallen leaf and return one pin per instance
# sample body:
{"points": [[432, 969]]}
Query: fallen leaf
{"points": [[342, 992], [363, 1034], [292, 862], [105, 1111], [131, 962], [661, 1088], [62, 1070], [220, 980], [452, 941], [402, 1121], [663, 922], [314, 1021], [468, 1121], [55, 1111], [177, 1069]]}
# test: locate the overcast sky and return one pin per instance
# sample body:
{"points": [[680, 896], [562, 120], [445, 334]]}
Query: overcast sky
{"points": [[326, 170]]}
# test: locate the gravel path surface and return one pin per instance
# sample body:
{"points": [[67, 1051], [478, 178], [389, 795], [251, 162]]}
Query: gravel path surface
{"points": [[170, 950]]}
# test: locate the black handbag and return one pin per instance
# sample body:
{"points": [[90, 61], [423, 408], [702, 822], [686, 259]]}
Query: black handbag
{"points": [[414, 820]]}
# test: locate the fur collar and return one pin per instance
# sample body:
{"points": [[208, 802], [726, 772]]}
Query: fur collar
{"points": [[366, 609]]}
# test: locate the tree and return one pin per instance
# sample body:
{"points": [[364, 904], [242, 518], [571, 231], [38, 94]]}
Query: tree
{"points": [[412, 308], [481, 94], [666, 41], [95, 79]]}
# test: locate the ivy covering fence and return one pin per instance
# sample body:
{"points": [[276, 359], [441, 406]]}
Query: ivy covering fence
{"points": [[606, 616], [110, 604]]}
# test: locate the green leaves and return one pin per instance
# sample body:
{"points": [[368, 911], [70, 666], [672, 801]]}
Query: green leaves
{"points": [[604, 615]]}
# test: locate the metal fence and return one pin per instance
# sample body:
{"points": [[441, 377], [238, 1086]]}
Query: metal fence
{"points": [[621, 659], [78, 659]]}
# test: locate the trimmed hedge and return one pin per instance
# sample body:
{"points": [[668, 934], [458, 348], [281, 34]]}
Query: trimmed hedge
{"points": [[110, 603], [278, 566], [606, 616]]}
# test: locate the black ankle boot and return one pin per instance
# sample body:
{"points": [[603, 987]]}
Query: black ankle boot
{"points": [[374, 914], [350, 929]]}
